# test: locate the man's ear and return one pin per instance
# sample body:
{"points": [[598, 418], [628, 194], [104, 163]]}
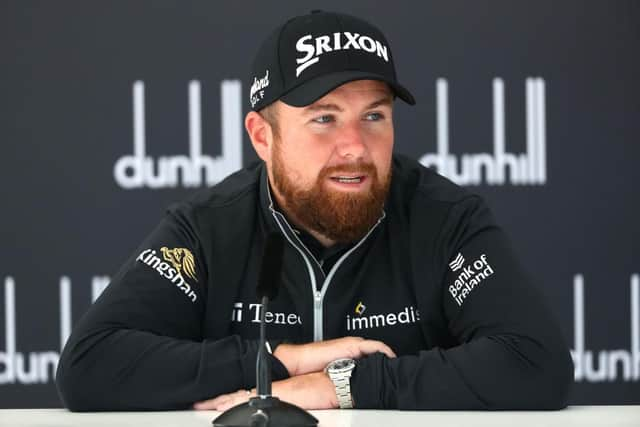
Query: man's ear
{"points": [[260, 133]]}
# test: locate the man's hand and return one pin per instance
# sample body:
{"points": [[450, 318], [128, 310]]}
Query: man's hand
{"points": [[300, 359], [309, 386], [310, 391]]}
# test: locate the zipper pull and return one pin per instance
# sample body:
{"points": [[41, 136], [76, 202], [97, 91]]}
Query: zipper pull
{"points": [[318, 299]]}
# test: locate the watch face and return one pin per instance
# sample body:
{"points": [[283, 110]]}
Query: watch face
{"points": [[342, 365]]}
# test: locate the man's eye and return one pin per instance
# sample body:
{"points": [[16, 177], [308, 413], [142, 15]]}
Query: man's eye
{"points": [[374, 116], [323, 119]]}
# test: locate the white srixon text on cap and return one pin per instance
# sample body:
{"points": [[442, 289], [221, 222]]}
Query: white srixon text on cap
{"points": [[313, 48]]}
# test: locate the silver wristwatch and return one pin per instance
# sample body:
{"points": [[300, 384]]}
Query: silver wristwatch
{"points": [[340, 373]]}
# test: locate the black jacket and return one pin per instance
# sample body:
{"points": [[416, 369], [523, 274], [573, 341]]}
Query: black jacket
{"points": [[435, 279]]}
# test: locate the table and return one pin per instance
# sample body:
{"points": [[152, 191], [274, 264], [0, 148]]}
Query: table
{"points": [[578, 416]]}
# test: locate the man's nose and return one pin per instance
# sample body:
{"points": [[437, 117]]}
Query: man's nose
{"points": [[351, 142]]}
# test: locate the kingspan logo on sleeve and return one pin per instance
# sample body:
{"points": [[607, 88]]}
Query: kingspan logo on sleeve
{"points": [[181, 259], [470, 276], [177, 263]]}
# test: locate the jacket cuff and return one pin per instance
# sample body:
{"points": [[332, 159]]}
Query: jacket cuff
{"points": [[365, 382], [278, 370]]}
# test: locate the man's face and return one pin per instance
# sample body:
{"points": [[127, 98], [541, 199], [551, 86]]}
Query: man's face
{"points": [[330, 165]]}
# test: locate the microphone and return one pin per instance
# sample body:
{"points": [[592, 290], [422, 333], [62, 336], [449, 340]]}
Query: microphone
{"points": [[266, 410], [266, 291]]}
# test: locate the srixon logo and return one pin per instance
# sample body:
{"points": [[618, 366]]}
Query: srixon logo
{"points": [[498, 167], [605, 365], [140, 170], [37, 367], [314, 48]]}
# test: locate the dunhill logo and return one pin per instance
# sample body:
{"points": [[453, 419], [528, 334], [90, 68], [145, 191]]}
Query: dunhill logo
{"points": [[609, 362], [37, 367], [492, 168], [139, 170]]}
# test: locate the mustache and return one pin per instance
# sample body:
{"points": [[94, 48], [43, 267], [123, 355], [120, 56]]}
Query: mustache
{"points": [[349, 168]]}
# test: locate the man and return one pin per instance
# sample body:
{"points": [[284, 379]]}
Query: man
{"points": [[386, 264]]}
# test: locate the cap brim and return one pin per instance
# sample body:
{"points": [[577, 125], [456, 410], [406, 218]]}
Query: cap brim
{"points": [[312, 90]]}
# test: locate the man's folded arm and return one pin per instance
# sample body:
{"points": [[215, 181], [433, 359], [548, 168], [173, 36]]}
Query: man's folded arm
{"points": [[493, 372], [140, 344], [510, 354]]}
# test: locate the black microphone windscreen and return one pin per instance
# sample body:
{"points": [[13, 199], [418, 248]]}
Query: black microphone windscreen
{"points": [[269, 279]]}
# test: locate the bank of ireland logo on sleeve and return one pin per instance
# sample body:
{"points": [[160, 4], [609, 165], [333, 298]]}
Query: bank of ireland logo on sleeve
{"points": [[457, 262], [174, 265], [470, 276]]}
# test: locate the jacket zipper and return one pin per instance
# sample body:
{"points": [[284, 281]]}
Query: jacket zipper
{"points": [[318, 314], [318, 296]]}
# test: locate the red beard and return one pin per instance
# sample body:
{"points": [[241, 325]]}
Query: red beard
{"points": [[340, 216]]}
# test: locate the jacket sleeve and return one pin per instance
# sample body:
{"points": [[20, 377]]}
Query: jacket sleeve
{"points": [[140, 345], [509, 352]]}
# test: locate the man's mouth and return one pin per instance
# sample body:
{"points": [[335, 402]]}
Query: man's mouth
{"points": [[349, 179]]}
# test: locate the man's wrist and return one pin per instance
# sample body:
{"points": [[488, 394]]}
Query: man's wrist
{"points": [[330, 390]]}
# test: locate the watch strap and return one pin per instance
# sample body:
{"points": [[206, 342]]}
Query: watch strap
{"points": [[342, 383]]}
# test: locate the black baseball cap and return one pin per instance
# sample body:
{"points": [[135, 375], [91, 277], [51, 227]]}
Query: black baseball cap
{"points": [[310, 55]]}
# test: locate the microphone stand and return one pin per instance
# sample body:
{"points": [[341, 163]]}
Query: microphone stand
{"points": [[264, 409]]}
